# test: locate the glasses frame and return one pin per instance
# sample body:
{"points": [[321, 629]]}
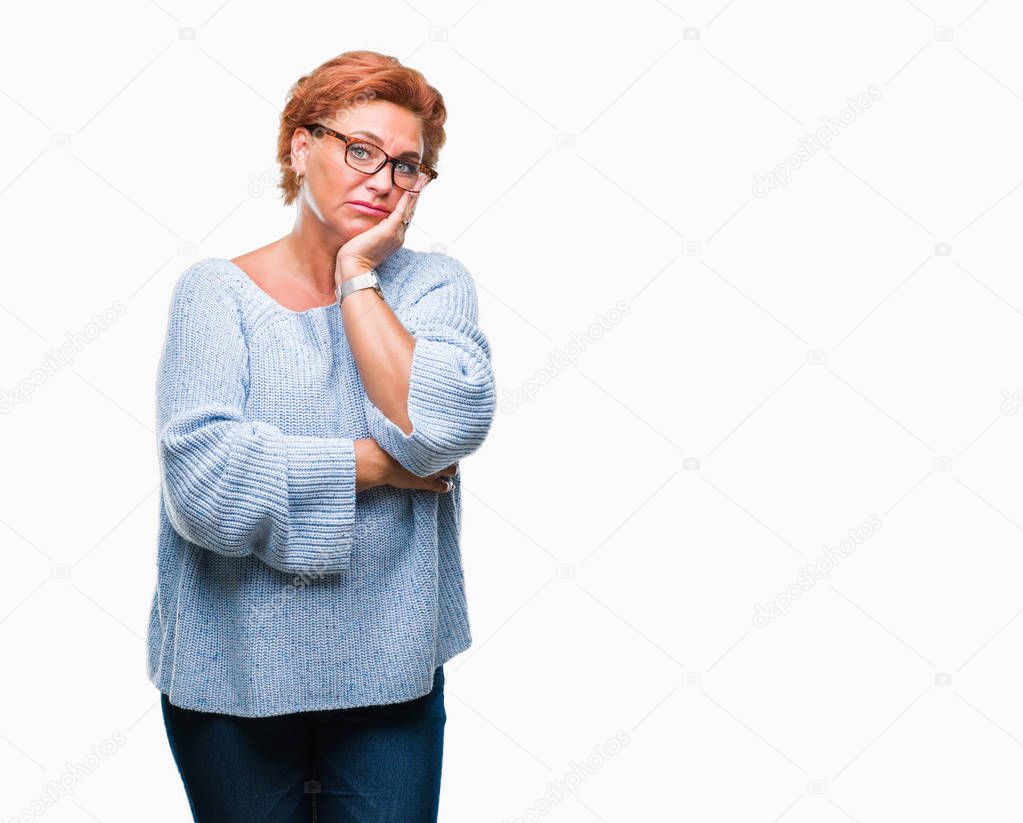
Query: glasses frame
{"points": [[346, 139]]}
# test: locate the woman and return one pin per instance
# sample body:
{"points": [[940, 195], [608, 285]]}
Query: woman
{"points": [[314, 398]]}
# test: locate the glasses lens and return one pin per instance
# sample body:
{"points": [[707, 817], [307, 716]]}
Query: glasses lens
{"points": [[364, 157], [409, 177]]}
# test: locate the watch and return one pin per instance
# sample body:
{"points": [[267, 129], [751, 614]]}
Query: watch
{"points": [[366, 280]]}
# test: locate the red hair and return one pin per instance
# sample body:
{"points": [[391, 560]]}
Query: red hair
{"points": [[349, 80]]}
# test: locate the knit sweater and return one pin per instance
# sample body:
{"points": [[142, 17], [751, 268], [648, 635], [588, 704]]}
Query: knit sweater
{"points": [[279, 587]]}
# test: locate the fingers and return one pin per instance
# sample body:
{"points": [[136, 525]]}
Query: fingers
{"points": [[441, 484], [439, 481], [400, 213], [410, 199]]}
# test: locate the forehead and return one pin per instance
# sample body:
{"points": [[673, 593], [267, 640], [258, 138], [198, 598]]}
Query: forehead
{"points": [[394, 128]]}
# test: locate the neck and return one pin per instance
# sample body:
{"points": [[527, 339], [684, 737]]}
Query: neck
{"points": [[310, 253]]}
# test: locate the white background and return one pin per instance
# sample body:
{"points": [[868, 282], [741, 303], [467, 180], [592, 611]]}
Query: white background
{"points": [[787, 364]]}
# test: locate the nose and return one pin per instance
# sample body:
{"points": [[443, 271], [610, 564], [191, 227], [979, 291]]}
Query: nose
{"points": [[381, 180]]}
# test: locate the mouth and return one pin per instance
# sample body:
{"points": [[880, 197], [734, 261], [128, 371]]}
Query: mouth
{"points": [[367, 208]]}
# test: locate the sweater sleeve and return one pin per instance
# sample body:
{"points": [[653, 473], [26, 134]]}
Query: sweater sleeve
{"points": [[452, 397], [233, 486]]}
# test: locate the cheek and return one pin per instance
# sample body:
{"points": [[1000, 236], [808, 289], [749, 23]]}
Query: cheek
{"points": [[337, 185]]}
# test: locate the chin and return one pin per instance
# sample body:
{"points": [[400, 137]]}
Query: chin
{"points": [[350, 228]]}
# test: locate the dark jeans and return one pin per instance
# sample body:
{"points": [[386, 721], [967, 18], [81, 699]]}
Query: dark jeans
{"points": [[372, 764]]}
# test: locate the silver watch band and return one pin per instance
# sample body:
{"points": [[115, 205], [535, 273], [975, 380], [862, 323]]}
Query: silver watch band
{"points": [[366, 280]]}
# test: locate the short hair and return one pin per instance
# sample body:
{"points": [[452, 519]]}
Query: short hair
{"points": [[346, 81]]}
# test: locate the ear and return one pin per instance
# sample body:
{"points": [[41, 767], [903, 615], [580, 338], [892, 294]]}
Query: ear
{"points": [[299, 150]]}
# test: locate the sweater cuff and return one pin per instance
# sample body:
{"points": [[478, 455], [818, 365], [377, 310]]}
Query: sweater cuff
{"points": [[321, 502]]}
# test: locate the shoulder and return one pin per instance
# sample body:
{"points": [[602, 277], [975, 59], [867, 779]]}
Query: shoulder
{"points": [[209, 286], [206, 279], [442, 267], [432, 270], [440, 289]]}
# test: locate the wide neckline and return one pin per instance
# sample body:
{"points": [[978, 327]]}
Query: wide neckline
{"points": [[273, 300], [383, 270]]}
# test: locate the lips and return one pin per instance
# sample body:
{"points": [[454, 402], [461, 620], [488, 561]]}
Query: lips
{"points": [[367, 208]]}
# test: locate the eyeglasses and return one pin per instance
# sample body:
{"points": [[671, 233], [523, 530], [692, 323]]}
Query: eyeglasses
{"points": [[363, 156]]}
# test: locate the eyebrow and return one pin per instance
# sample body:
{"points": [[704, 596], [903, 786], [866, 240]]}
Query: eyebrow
{"points": [[371, 136]]}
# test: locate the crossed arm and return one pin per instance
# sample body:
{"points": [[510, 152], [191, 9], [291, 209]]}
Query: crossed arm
{"points": [[430, 395], [240, 487]]}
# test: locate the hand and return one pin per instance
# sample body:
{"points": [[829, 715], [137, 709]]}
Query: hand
{"points": [[402, 478], [375, 467], [367, 250]]}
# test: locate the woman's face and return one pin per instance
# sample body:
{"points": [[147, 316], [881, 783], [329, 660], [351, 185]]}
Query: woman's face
{"points": [[331, 187]]}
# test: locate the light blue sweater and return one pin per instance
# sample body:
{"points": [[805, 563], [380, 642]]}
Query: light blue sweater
{"points": [[279, 587]]}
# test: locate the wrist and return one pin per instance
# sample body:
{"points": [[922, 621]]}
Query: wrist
{"points": [[347, 269], [360, 282], [370, 467]]}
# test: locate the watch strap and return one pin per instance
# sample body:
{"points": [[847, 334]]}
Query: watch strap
{"points": [[366, 280]]}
